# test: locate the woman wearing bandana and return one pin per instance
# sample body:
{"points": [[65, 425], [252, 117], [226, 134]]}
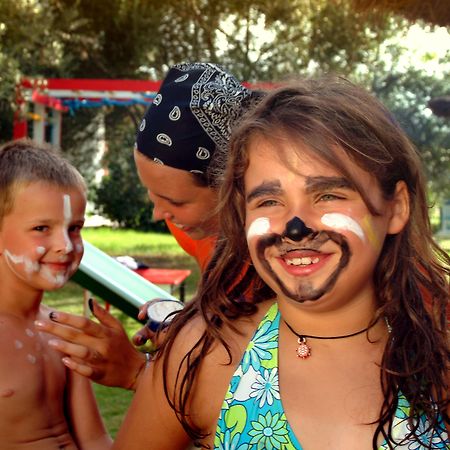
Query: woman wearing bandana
{"points": [[180, 154], [181, 141]]}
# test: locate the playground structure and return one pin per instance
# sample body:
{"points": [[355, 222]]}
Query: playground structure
{"points": [[49, 98]]}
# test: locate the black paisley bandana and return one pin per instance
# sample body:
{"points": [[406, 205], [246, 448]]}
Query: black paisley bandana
{"points": [[191, 116]]}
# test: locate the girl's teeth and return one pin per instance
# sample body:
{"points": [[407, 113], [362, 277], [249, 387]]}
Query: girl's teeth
{"points": [[306, 261]]}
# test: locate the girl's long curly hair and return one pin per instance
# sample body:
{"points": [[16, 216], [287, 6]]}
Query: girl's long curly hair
{"points": [[412, 275]]}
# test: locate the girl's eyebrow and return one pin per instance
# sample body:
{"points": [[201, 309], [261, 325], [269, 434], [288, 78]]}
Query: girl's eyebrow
{"points": [[319, 184], [265, 188]]}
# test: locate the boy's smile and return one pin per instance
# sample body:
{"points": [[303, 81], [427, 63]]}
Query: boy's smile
{"points": [[40, 240]]}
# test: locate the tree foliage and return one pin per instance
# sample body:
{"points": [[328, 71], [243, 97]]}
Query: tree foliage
{"points": [[257, 40], [407, 94]]}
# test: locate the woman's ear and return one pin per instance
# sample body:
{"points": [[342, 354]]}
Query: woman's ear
{"points": [[399, 208]]}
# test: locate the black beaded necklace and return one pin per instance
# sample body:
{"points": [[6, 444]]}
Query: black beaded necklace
{"points": [[304, 350]]}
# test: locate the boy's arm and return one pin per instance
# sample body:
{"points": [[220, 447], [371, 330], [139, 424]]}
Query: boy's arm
{"points": [[83, 416]]}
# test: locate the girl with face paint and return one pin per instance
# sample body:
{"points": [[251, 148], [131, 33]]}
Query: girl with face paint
{"points": [[324, 194], [42, 205]]}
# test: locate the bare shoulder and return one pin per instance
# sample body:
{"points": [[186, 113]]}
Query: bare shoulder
{"points": [[217, 366], [151, 421]]}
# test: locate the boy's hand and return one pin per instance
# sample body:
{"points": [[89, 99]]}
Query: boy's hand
{"points": [[99, 351]]}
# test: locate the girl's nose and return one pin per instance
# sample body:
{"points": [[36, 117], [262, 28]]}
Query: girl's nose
{"points": [[296, 229]]}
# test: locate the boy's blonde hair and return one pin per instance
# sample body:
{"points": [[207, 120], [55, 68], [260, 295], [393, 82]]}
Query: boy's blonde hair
{"points": [[23, 162]]}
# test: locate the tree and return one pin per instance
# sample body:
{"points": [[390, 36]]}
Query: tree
{"points": [[407, 95], [120, 196]]}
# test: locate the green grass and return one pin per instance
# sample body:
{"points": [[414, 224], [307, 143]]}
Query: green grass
{"points": [[130, 242]]}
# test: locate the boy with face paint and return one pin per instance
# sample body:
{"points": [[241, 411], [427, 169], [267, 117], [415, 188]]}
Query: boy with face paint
{"points": [[42, 205], [325, 195]]}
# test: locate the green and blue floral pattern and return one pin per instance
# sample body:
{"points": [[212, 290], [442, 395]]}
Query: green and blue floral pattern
{"points": [[252, 416]]}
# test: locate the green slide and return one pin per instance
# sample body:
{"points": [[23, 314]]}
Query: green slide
{"points": [[113, 282]]}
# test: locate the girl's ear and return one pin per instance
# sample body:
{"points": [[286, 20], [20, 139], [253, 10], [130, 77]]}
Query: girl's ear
{"points": [[399, 208]]}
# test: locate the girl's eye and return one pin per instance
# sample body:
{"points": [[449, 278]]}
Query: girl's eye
{"points": [[330, 197], [267, 203]]}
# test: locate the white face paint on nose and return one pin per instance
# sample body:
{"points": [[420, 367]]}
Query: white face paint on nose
{"points": [[342, 222], [67, 219]]}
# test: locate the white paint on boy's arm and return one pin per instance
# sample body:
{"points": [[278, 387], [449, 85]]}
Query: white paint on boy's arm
{"points": [[340, 221]]}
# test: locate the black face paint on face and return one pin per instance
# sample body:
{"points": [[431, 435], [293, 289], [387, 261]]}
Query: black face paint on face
{"points": [[296, 230], [312, 241]]}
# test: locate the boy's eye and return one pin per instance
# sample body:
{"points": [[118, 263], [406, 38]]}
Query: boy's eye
{"points": [[40, 228]]}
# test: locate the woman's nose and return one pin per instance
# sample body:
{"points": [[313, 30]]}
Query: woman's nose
{"points": [[161, 213]]}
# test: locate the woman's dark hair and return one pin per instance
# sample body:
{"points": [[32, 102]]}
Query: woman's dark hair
{"points": [[412, 273]]}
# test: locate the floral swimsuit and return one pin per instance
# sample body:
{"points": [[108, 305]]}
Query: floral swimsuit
{"points": [[252, 416]]}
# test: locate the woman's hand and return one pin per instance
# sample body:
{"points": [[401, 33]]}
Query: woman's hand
{"points": [[100, 351], [144, 334]]}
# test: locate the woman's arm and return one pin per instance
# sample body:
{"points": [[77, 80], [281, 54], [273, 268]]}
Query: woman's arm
{"points": [[82, 413]]}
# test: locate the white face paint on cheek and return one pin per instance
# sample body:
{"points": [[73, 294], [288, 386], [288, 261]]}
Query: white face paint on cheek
{"points": [[67, 219], [342, 222], [258, 227], [79, 248], [58, 280], [29, 265], [40, 250]]}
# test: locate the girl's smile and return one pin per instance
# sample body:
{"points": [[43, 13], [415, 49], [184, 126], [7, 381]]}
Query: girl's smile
{"points": [[308, 226]]}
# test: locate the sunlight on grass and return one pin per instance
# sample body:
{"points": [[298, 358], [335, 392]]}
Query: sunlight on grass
{"points": [[131, 242]]}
